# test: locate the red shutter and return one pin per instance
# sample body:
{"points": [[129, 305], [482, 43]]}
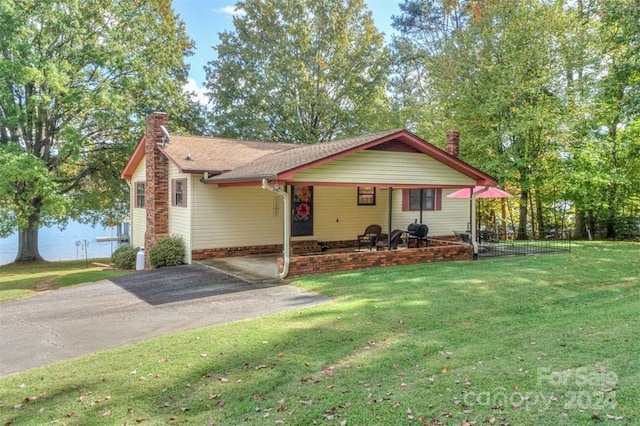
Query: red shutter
{"points": [[405, 200], [438, 198]]}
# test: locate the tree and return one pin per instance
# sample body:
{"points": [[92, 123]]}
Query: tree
{"points": [[605, 189], [76, 78], [493, 71], [425, 28], [301, 71]]}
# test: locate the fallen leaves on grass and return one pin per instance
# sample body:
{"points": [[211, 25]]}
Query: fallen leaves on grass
{"points": [[410, 415], [597, 416], [327, 371]]}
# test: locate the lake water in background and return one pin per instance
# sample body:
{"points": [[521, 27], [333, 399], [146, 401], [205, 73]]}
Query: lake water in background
{"points": [[61, 245]]}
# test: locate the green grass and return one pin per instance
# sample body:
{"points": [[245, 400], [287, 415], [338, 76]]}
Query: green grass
{"points": [[19, 280], [544, 340]]}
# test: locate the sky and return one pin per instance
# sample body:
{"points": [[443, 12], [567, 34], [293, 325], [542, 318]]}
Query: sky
{"points": [[205, 19]]}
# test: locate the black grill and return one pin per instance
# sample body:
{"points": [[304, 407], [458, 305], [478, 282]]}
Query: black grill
{"points": [[418, 231]]}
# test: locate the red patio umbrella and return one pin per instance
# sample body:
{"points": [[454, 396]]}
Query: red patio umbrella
{"points": [[489, 193], [465, 193]]}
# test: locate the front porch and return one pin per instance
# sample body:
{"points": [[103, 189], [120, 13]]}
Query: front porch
{"points": [[261, 266], [348, 259]]}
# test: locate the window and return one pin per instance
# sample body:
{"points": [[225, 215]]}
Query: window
{"points": [[366, 196], [179, 192], [431, 199], [139, 195]]}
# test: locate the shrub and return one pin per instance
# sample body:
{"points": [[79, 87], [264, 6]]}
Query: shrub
{"points": [[627, 228], [168, 251], [125, 257]]}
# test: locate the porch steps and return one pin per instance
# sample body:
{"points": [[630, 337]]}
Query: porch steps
{"points": [[305, 247]]}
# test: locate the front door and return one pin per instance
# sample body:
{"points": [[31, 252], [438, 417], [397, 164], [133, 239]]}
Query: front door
{"points": [[302, 210]]}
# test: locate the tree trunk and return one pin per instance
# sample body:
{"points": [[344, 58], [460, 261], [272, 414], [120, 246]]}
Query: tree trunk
{"points": [[541, 225], [579, 232], [28, 242], [522, 226]]}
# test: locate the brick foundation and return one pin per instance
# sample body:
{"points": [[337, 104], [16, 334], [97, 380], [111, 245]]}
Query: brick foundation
{"points": [[215, 253], [297, 248], [315, 264]]}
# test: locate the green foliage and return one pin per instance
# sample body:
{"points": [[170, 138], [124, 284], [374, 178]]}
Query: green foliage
{"points": [[168, 251], [125, 257], [627, 228], [76, 79], [545, 95], [26, 190], [300, 71]]}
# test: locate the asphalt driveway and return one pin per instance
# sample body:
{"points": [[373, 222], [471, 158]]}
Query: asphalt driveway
{"points": [[66, 323]]}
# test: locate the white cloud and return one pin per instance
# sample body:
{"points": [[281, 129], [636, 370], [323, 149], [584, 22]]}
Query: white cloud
{"points": [[230, 10], [198, 93]]}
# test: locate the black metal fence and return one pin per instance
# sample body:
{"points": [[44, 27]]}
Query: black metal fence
{"points": [[491, 244]]}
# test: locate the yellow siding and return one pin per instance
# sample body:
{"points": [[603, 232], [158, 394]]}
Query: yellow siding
{"points": [[245, 216], [138, 216], [180, 217], [337, 215], [397, 168], [454, 215], [234, 216]]}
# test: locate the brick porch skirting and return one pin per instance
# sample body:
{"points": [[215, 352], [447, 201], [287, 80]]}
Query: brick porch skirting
{"points": [[320, 263]]}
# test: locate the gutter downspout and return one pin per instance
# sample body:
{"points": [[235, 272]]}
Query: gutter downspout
{"points": [[474, 236], [287, 225]]}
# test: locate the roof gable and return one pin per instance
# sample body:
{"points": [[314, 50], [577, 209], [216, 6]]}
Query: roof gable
{"points": [[282, 166], [134, 160]]}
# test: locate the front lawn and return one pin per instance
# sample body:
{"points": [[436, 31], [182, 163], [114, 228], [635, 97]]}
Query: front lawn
{"points": [[19, 280], [544, 340]]}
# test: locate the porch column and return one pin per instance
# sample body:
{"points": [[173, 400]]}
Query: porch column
{"points": [[390, 216]]}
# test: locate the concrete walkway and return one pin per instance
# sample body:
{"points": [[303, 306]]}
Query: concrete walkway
{"points": [[255, 268], [66, 323]]}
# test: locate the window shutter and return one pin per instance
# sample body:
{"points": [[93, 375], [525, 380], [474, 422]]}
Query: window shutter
{"points": [[405, 200], [438, 199]]}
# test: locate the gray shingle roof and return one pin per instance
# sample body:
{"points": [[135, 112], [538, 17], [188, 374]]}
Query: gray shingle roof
{"points": [[203, 154]]}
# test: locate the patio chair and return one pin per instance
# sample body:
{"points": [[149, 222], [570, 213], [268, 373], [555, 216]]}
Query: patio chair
{"points": [[463, 236], [385, 242], [370, 236]]}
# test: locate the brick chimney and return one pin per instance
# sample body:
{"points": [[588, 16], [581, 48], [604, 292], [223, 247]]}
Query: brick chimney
{"points": [[157, 182], [453, 143]]}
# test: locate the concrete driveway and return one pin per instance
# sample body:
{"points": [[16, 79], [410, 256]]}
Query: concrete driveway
{"points": [[66, 323]]}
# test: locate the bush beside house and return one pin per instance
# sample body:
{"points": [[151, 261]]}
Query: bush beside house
{"points": [[168, 251], [125, 257]]}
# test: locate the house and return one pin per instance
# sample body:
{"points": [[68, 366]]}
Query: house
{"points": [[230, 197]]}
